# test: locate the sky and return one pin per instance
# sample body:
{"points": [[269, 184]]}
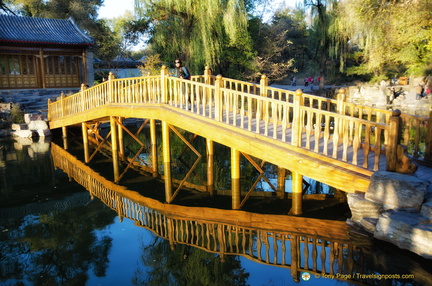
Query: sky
{"points": [[115, 8]]}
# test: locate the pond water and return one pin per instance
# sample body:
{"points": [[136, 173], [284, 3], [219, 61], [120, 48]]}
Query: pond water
{"points": [[56, 231]]}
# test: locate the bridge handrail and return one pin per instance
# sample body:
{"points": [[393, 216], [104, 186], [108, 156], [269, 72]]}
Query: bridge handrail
{"points": [[280, 114]]}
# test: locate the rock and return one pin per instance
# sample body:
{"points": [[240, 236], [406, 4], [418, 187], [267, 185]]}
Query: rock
{"points": [[23, 133], [362, 208], [426, 209], [369, 224], [19, 126], [38, 125], [407, 231], [40, 147], [44, 132], [5, 107], [21, 142], [28, 117], [397, 191]]}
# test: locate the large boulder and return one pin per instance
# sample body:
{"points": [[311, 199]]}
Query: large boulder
{"points": [[406, 230], [362, 208], [28, 117], [38, 125], [22, 133], [397, 191]]}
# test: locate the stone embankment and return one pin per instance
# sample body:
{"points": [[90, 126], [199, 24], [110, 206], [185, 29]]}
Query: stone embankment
{"points": [[389, 96], [396, 208], [33, 102], [34, 126]]}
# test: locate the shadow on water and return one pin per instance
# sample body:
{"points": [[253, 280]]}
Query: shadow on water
{"points": [[64, 222]]}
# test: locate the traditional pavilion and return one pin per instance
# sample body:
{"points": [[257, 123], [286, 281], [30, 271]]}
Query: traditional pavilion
{"points": [[44, 53]]}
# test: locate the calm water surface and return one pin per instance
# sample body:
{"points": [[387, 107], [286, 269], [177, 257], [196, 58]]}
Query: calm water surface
{"points": [[55, 232]]}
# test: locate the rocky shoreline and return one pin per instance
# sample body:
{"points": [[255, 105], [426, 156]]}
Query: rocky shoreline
{"points": [[396, 208]]}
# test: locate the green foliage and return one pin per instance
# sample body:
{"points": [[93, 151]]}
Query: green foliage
{"points": [[277, 44], [186, 265], [151, 65], [199, 32], [393, 38], [17, 114], [60, 248]]}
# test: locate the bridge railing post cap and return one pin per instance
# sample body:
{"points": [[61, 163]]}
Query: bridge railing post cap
{"points": [[341, 90], [206, 67], [164, 67], [219, 76], [396, 113], [299, 92], [263, 76]]}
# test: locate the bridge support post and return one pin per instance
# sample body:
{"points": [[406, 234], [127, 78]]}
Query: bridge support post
{"points": [[85, 142], [297, 193], [64, 136], [210, 166], [64, 132], [235, 178], [121, 138], [167, 161], [281, 182], [114, 147], [65, 143], [153, 147]]}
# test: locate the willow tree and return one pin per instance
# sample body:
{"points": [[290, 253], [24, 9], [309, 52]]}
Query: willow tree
{"points": [[389, 36], [322, 13], [201, 32]]}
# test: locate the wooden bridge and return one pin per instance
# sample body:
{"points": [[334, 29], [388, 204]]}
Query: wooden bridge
{"points": [[328, 140]]}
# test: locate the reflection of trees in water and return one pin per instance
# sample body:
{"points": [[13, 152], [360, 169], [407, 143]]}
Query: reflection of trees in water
{"points": [[57, 248], [186, 265]]}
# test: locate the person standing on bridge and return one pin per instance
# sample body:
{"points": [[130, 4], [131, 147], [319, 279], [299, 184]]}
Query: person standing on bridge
{"points": [[180, 70]]}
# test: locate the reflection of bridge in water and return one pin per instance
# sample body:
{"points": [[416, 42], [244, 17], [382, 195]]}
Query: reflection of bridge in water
{"points": [[328, 140], [319, 247]]}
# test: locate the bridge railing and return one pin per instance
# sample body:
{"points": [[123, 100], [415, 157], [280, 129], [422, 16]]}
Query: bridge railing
{"points": [[355, 134]]}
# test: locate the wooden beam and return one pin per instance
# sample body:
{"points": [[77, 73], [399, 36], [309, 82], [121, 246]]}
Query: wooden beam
{"points": [[114, 146], [167, 161], [235, 179]]}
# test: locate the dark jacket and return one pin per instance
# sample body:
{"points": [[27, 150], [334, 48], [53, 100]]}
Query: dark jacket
{"points": [[182, 72]]}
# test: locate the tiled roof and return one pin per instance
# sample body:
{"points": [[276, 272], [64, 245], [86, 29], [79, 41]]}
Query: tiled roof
{"points": [[29, 30]]}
